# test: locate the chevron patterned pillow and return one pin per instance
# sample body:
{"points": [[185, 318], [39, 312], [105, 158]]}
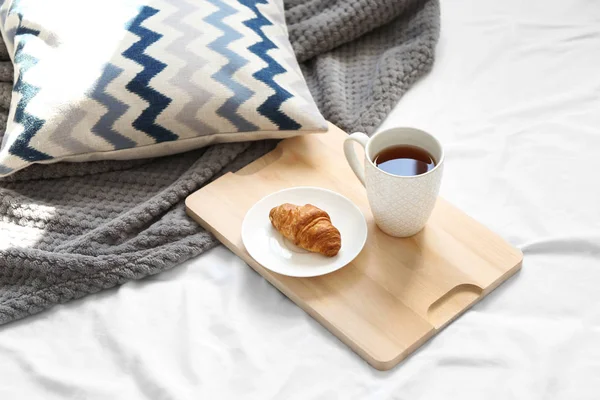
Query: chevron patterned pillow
{"points": [[122, 79]]}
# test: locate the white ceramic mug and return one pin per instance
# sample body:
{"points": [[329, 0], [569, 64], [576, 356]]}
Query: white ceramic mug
{"points": [[401, 205]]}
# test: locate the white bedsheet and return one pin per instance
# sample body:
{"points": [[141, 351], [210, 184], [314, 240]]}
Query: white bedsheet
{"points": [[515, 99]]}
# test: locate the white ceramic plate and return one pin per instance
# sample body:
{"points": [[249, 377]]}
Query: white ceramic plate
{"points": [[274, 252]]}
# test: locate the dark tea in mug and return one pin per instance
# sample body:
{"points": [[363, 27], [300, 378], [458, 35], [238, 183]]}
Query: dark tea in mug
{"points": [[404, 160]]}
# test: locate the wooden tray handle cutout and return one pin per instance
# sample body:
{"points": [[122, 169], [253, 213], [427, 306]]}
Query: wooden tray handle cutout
{"points": [[445, 309]]}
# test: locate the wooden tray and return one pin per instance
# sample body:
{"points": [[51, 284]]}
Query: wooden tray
{"points": [[398, 292]]}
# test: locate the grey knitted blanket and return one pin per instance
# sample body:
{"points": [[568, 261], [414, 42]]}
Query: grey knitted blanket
{"points": [[66, 231]]}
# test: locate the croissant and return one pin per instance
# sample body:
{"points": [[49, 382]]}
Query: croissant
{"points": [[308, 227]]}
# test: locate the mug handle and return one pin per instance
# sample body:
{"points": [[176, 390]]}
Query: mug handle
{"points": [[355, 164]]}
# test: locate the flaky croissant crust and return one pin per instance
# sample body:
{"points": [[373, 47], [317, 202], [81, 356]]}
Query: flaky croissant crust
{"points": [[308, 227]]}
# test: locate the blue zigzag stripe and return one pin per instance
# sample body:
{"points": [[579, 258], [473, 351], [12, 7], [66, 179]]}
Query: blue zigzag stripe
{"points": [[225, 75], [184, 78], [271, 107], [31, 123], [116, 109], [4, 170], [140, 85]]}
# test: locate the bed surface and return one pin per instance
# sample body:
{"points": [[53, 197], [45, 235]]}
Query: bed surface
{"points": [[515, 99]]}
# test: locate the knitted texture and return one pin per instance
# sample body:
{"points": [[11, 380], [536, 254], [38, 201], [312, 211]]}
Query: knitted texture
{"points": [[67, 230]]}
